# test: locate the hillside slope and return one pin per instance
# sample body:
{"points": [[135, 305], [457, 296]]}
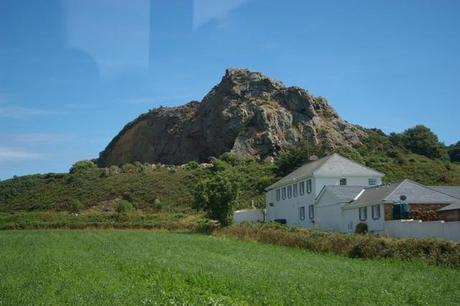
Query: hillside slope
{"points": [[246, 113], [149, 188]]}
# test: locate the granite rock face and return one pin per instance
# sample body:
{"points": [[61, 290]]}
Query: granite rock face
{"points": [[246, 113]]}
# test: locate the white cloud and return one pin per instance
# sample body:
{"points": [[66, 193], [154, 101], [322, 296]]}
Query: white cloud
{"points": [[22, 112], [205, 11], [16, 154]]}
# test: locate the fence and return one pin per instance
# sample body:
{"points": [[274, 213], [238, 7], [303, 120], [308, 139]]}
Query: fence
{"points": [[421, 229], [249, 215]]}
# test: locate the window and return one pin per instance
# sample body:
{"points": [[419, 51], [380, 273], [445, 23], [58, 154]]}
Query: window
{"points": [[372, 182], [375, 212], [283, 193], [289, 190], [302, 213], [343, 181], [311, 212], [363, 213], [294, 190], [278, 195], [308, 186], [301, 187]]}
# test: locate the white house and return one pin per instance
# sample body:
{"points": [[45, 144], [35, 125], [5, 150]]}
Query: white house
{"points": [[335, 194], [292, 199]]}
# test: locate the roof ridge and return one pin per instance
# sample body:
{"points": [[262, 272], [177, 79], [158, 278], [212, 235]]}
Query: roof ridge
{"points": [[350, 160], [397, 187], [431, 188], [345, 186]]}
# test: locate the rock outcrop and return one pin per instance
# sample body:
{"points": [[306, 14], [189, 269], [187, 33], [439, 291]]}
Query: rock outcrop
{"points": [[246, 113]]}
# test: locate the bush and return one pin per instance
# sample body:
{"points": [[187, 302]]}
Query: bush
{"points": [[157, 203], [124, 206], [82, 166], [192, 165], [74, 205], [361, 228], [351, 245], [454, 152], [129, 168]]}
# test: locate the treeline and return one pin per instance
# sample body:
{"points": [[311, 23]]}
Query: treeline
{"points": [[415, 153]]}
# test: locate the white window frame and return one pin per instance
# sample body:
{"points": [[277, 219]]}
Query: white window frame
{"points": [[362, 213], [283, 193], [294, 190], [301, 188], [302, 213], [372, 182], [375, 212], [343, 179], [289, 191], [308, 182], [278, 195]]}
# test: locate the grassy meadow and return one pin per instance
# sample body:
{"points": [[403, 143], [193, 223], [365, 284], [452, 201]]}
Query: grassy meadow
{"points": [[56, 267]]}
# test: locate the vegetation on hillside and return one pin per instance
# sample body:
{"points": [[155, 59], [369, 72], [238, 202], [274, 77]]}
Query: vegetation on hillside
{"points": [[148, 268], [147, 188], [135, 188], [454, 152], [416, 154]]}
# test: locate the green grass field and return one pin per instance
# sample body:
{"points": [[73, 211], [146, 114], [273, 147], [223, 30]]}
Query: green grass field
{"points": [[148, 268]]}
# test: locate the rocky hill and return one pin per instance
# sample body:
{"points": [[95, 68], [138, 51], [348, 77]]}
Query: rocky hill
{"points": [[246, 113]]}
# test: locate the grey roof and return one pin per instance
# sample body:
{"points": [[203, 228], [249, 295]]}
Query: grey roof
{"points": [[333, 165], [342, 193], [453, 206], [390, 193], [453, 191]]}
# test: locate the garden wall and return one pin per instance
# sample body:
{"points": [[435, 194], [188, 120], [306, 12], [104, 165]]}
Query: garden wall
{"points": [[249, 215], [423, 229]]}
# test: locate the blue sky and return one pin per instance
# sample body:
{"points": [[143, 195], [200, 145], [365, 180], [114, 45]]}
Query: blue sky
{"points": [[72, 73]]}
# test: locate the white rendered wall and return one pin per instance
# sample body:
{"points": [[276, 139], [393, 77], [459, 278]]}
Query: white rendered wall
{"points": [[351, 219], [248, 215], [329, 213], [420, 229]]}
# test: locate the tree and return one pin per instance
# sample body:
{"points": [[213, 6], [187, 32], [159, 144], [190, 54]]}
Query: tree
{"points": [[454, 152], [216, 195], [421, 140], [295, 156], [82, 166]]}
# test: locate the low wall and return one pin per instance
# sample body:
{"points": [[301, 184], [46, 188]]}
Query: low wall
{"points": [[249, 215], [420, 229]]}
